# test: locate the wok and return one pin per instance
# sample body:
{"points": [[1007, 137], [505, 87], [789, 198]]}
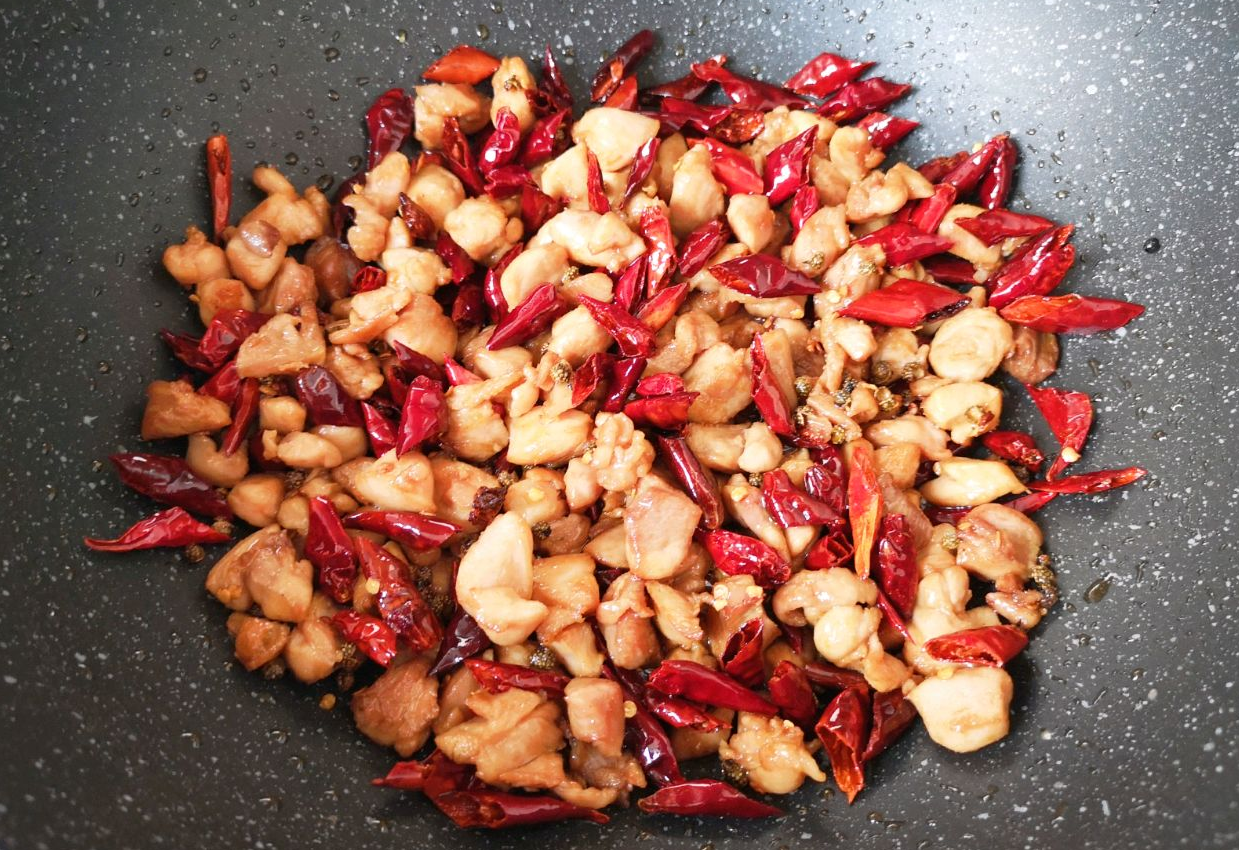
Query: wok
{"points": [[123, 721]]}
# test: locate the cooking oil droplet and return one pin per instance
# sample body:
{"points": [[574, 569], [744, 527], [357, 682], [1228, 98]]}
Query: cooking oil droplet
{"points": [[402, 36], [996, 116], [291, 158], [324, 182], [354, 162], [82, 334], [483, 32], [1097, 590], [332, 54], [200, 75], [1152, 245]]}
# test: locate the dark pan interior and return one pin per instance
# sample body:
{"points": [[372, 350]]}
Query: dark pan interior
{"points": [[123, 720]]}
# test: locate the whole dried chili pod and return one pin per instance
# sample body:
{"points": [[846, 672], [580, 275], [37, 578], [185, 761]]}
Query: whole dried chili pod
{"points": [[906, 303], [1028, 503], [927, 215], [886, 131], [631, 283], [547, 138], [831, 550], [459, 157], [988, 646], [644, 735], [742, 655], [789, 506], [682, 714], [594, 190], [325, 399], [824, 480], [668, 412], [633, 338], [827, 675], [940, 166], [791, 690], [491, 289], [469, 307], [805, 203], [698, 247], [552, 84], [700, 482], [705, 798], [329, 548], [463, 638], [746, 92], [624, 96], [655, 229], [892, 615], [462, 64], [947, 268], [454, 257], [1035, 268], [787, 166], [844, 732], [379, 429], [414, 530], [591, 374], [663, 383], [995, 185], [642, 165], [857, 99], [763, 276], [504, 143], [892, 715], [993, 226], [389, 123], [662, 308], [423, 416], [219, 181], [688, 678], [1091, 482], [529, 318], [399, 603], [967, 174], [1069, 414], [169, 480], [733, 168], [1070, 314], [172, 528], [457, 374], [487, 808], [738, 554], [825, 74], [224, 384], [369, 634], [496, 677], [244, 412], [625, 372], [688, 87], [895, 570], [620, 64], [864, 503], [1016, 447], [902, 243]]}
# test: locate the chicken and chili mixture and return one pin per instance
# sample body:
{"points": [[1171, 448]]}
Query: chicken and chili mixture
{"points": [[579, 447]]}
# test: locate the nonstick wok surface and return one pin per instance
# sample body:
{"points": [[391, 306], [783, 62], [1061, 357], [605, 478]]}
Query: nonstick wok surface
{"points": [[124, 723]]}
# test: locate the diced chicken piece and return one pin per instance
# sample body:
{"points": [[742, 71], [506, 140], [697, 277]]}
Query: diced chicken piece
{"points": [[676, 613], [423, 327], [806, 597], [575, 336], [482, 228], [829, 181], [256, 499], [967, 710], [876, 195], [433, 104], [564, 178], [596, 714], [966, 409], [997, 541], [355, 368], [576, 648], [696, 197], [744, 502], [751, 220], [985, 257], [737, 600], [455, 688], [257, 641], [971, 345], [414, 269], [591, 239], [690, 743], [509, 740], [495, 581], [276, 580], [292, 286], [967, 481], [899, 463], [536, 265], [910, 429], [213, 466], [772, 752], [367, 237], [219, 294], [512, 84], [614, 135], [1033, 356], [659, 522], [538, 437], [475, 431], [314, 650], [283, 346], [624, 617], [397, 710], [853, 154], [899, 355], [566, 585], [397, 483], [437, 191], [456, 486], [255, 252], [298, 219], [175, 409], [723, 377], [196, 260]]}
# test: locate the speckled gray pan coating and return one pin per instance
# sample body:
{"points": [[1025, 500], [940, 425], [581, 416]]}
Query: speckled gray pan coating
{"points": [[124, 722]]}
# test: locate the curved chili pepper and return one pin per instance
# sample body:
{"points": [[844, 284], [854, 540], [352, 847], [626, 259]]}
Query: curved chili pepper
{"points": [[547, 138], [668, 412], [763, 276], [733, 168], [831, 550], [642, 165], [389, 122], [688, 87], [625, 95], [726, 123], [1016, 447], [947, 268], [325, 399], [927, 215], [405, 776], [633, 338], [906, 303], [690, 679], [792, 692], [805, 203], [655, 229], [1036, 268], [171, 529], [454, 257], [827, 675], [738, 554], [892, 715], [224, 335], [591, 374], [787, 166], [993, 226], [379, 429], [664, 383], [421, 226], [491, 289], [1030, 502], [462, 640], [988, 646], [858, 99], [789, 506], [219, 180], [1091, 482], [469, 307], [423, 416], [503, 144], [892, 615], [495, 677], [886, 131], [643, 734], [595, 192], [746, 92], [705, 798], [552, 85], [825, 74], [1070, 314], [169, 480], [940, 166], [895, 571], [490, 809], [995, 184], [902, 243], [844, 732], [700, 483], [660, 309], [824, 480], [631, 283], [1070, 416], [369, 634], [967, 174], [462, 64], [367, 279], [620, 64], [224, 384], [529, 318], [625, 372], [459, 157], [864, 503], [699, 246], [742, 656], [400, 604], [682, 714], [417, 531], [244, 411], [329, 548]]}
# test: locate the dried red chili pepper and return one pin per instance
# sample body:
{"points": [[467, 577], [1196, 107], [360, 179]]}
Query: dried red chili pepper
{"points": [[1070, 314], [399, 603], [827, 675], [620, 64], [462, 64], [529, 318], [405, 776], [725, 123], [224, 335], [591, 374], [423, 416], [940, 166], [892, 715], [895, 570], [993, 226], [738, 554], [1036, 268], [503, 145], [805, 203], [928, 214], [698, 247], [767, 394], [1070, 416], [631, 283], [219, 181], [790, 506], [668, 412], [864, 503], [367, 279], [902, 243], [688, 87], [414, 530], [791, 691], [947, 268], [995, 184], [655, 229], [469, 307], [434, 775], [892, 616], [491, 289], [688, 678], [858, 99], [537, 208], [454, 257], [490, 809], [662, 308], [831, 550], [1030, 502], [496, 677], [787, 166], [595, 191], [167, 529], [705, 798], [966, 174], [746, 92], [552, 86], [642, 165], [742, 656], [738, 126], [644, 735], [825, 74], [844, 732], [763, 276], [244, 411], [1091, 482], [950, 515], [547, 138], [457, 374], [341, 215], [733, 168], [459, 156], [681, 714], [988, 646], [325, 399], [169, 480], [624, 96], [886, 131], [462, 640], [1016, 447], [698, 481], [625, 372], [906, 303], [329, 548], [369, 634], [663, 383], [389, 122], [224, 384]]}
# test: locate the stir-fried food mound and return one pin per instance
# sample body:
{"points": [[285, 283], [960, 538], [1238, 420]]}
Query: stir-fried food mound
{"points": [[582, 445]]}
